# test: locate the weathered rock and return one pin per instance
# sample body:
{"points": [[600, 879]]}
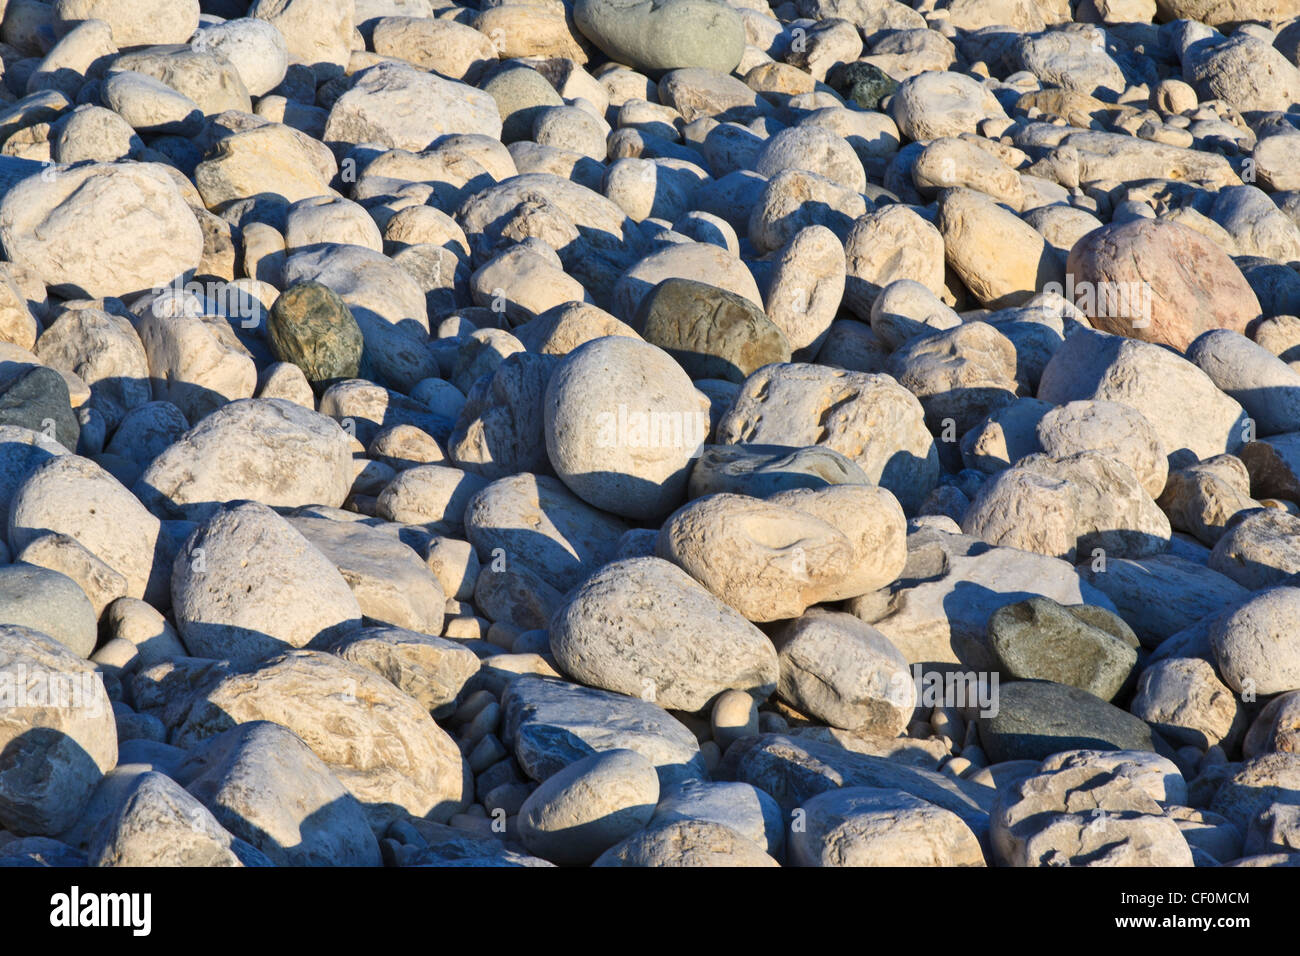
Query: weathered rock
{"points": [[247, 585], [310, 326], [866, 826], [1036, 719], [382, 745], [58, 734]]}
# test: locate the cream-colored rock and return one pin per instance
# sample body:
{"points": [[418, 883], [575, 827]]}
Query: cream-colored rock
{"points": [[318, 33], [767, 561], [933, 105], [262, 449], [66, 225], [248, 585], [950, 162], [645, 628], [622, 424], [255, 46], [806, 288], [63, 553], [794, 199], [136, 22], [699, 261], [431, 495], [1256, 645], [999, 257], [887, 245], [1112, 428], [453, 49], [798, 405], [196, 362], [381, 744], [264, 159]]}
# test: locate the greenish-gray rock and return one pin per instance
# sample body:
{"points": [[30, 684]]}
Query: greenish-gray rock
{"points": [[862, 83], [520, 93], [36, 397], [1085, 647], [1035, 719], [312, 327], [659, 35], [712, 333]]}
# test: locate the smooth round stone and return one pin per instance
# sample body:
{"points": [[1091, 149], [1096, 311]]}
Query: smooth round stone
{"points": [[712, 333], [1257, 646], [623, 424], [37, 398], [868, 826], [49, 602], [581, 811], [1036, 719], [312, 327], [659, 35], [1039, 639], [734, 716]]}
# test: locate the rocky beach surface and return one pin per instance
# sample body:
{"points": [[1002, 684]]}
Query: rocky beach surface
{"points": [[650, 433]]}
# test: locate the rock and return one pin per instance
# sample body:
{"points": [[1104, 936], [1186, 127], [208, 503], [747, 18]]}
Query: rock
{"points": [[549, 724], [866, 826], [35, 397], [593, 803], [935, 104], [838, 669], [1162, 594], [924, 618], [1184, 700], [49, 223], [960, 375], [1122, 281], [64, 554], [74, 496], [59, 737], [1084, 815], [712, 333], [266, 787], [1267, 388], [432, 670], [48, 602], [1256, 649], [763, 470], [666, 36], [977, 234], [1260, 550], [247, 585], [310, 326], [887, 245], [318, 33], [290, 456], [686, 843], [389, 581], [1114, 429], [872, 520], [767, 561], [739, 806], [1086, 505], [156, 823], [600, 637], [806, 288], [264, 159], [196, 361], [801, 405], [795, 769], [1276, 727], [208, 79], [796, 199], [905, 310], [1036, 719], [256, 47], [629, 456], [536, 521], [384, 747], [379, 108], [1203, 499], [1259, 798], [862, 82], [1155, 381], [105, 352], [1087, 648], [365, 409], [134, 23], [444, 46]]}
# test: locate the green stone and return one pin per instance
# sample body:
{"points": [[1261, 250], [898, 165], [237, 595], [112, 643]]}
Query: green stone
{"points": [[712, 333], [313, 328], [1085, 647], [862, 83], [1035, 719]]}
